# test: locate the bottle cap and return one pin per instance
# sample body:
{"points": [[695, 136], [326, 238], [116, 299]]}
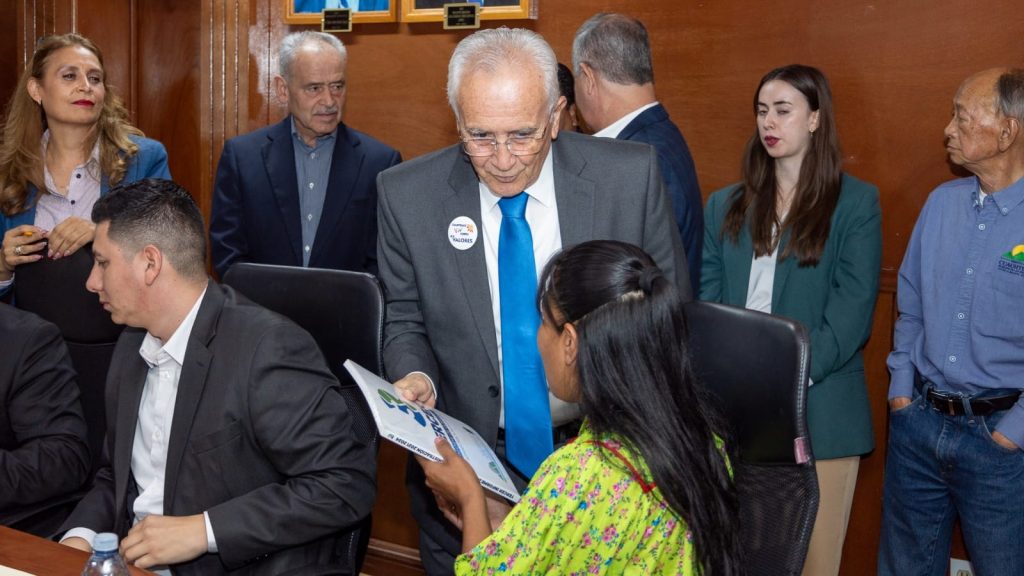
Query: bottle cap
{"points": [[105, 542]]}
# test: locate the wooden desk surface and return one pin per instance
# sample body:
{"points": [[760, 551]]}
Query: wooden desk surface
{"points": [[39, 556]]}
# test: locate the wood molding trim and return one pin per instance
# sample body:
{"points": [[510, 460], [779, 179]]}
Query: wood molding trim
{"points": [[392, 559]]}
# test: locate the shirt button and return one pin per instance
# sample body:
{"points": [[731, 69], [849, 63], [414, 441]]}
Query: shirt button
{"points": [[310, 185], [981, 226], [307, 248], [78, 175], [952, 358], [970, 271], [960, 316], [1004, 211], [312, 155], [309, 217], [72, 202]]}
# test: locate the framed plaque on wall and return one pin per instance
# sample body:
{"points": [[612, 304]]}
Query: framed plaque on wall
{"points": [[433, 10], [363, 11]]}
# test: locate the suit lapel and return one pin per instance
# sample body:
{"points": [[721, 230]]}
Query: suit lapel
{"points": [[279, 159], [782, 270], [129, 395], [740, 256], [345, 165], [190, 387], [472, 263], [574, 194]]}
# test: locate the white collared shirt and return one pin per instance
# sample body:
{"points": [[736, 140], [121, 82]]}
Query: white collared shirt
{"points": [[542, 215], [615, 128], [153, 426]]}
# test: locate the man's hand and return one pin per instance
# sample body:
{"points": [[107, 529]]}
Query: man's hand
{"points": [[165, 540], [416, 388], [78, 543], [899, 402], [1004, 441], [69, 235]]}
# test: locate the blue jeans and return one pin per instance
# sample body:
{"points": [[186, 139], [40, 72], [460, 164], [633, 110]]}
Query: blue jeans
{"points": [[940, 467]]}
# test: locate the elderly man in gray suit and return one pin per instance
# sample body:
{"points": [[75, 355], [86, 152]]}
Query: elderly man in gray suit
{"points": [[463, 235]]}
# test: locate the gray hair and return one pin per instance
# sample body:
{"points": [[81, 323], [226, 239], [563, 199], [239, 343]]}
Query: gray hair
{"points": [[293, 42], [616, 46], [1010, 94], [490, 50]]}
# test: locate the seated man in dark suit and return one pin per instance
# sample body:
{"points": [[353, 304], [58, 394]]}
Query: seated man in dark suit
{"points": [[44, 456], [611, 57], [229, 442], [301, 192]]}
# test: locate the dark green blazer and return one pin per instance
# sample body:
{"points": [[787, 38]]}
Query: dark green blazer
{"points": [[834, 300]]}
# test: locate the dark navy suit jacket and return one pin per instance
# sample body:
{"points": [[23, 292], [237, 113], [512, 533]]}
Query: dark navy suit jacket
{"points": [[255, 216], [654, 127]]}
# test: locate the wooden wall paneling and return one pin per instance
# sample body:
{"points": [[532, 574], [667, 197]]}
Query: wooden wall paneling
{"points": [[11, 61], [224, 85]]}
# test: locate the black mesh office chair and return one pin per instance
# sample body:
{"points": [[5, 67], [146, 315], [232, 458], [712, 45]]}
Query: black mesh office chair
{"points": [[55, 290], [344, 312], [756, 365]]}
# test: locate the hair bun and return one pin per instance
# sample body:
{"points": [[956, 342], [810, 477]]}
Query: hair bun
{"points": [[647, 277]]}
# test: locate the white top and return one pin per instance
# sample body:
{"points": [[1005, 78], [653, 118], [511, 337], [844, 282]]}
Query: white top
{"points": [[615, 128], [762, 280], [542, 216]]}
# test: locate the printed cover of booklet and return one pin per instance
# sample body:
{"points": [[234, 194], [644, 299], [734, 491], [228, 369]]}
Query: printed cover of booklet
{"points": [[414, 428]]}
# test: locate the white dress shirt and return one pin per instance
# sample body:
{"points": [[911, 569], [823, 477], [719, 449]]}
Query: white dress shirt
{"points": [[153, 427], [542, 215]]}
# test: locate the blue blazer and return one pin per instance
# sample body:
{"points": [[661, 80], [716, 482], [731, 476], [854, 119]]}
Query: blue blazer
{"points": [[654, 127], [149, 162], [255, 216], [834, 300]]}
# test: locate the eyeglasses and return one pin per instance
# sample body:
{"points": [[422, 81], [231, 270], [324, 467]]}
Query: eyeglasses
{"points": [[516, 145]]}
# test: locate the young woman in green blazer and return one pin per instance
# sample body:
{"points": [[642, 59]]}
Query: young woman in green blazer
{"points": [[799, 238]]}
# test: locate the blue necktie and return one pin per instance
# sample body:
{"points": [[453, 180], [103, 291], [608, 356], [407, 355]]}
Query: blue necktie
{"points": [[528, 438]]}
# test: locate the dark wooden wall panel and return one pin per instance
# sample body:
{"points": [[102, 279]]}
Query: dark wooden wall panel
{"points": [[196, 72]]}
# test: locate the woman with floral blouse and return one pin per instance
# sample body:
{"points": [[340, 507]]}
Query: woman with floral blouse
{"points": [[645, 488]]}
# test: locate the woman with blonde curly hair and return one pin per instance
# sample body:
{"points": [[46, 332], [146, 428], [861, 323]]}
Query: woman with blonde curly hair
{"points": [[66, 141]]}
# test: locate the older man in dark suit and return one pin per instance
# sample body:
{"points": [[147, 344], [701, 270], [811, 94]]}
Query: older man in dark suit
{"points": [[463, 233], [301, 192], [615, 96], [44, 457], [229, 442]]}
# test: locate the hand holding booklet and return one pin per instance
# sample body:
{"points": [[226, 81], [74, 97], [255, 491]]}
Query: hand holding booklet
{"points": [[414, 427]]}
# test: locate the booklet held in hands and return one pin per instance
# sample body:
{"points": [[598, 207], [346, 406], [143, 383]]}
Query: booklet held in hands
{"points": [[415, 427]]}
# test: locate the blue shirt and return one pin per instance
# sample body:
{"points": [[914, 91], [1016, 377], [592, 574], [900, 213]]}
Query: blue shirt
{"points": [[961, 297], [313, 170]]}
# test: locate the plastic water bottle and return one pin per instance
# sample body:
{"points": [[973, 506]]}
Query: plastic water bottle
{"points": [[105, 561]]}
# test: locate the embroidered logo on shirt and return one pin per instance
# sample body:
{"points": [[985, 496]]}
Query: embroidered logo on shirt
{"points": [[1013, 261]]}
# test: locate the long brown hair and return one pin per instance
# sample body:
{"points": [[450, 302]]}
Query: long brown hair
{"points": [[21, 161], [817, 191]]}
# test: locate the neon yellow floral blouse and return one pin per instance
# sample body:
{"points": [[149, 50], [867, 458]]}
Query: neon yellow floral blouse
{"points": [[585, 512]]}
